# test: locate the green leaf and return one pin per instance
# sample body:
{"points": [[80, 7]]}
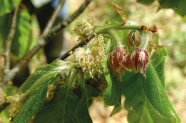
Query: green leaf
{"points": [[7, 6], [68, 106], [146, 98], [23, 39], [147, 2], [180, 9], [169, 3], [23, 36], [35, 88], [158, 56], [4, 117], [5, 22], [158, 61], [111, 95], [177, 5]]}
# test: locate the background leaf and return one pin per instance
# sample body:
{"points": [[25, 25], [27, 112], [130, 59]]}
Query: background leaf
{"points": [[23, 39], [147, 2], [7, 6], [177, 5]]}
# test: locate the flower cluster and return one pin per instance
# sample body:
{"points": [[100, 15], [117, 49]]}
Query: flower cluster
{"points": [[137, 58], [135, 61], [92, 57], [116, 56]]}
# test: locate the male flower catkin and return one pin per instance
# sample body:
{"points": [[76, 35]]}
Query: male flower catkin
{"points": [[83, 29], [92, 57]]}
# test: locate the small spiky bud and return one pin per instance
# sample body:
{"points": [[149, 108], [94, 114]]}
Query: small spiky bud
{"points": [[133, 39], [116, 57]]}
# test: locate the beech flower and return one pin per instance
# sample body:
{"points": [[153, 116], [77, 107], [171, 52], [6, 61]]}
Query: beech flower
{"points": [[133, 39], [92, 57], [137, 61], [116, 57]]}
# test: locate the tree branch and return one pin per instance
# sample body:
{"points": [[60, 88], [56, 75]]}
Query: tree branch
{"points": [[53, 17], [44, 40], [8, 42], [100, 30]]}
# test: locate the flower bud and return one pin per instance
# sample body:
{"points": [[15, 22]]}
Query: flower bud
{"points": [[144, 28], [153, 28], [128, 63], [115, 57], [140, 58], [133, 39], [136, 61]]}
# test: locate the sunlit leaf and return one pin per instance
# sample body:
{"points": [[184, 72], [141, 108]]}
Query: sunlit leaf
{"points": [[7, 6], [35, 88], [23, 39], [23, 36], [146, 98], [158, 61]]}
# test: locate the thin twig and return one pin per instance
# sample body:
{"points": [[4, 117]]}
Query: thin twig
{"points": [[101, 30], [8, 42], [44, 40], [53, 17], [82, 43]]}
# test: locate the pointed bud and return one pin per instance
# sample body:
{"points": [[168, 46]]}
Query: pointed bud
{"points": [[144, 28], [153, 28], [115, 58], [128, 63], [136, 61], [133, 39], [140, 58]]}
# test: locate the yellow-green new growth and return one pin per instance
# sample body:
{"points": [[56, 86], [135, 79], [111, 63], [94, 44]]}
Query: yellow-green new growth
{"points": [[15, 102], [83, 28], [92, 57]]}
